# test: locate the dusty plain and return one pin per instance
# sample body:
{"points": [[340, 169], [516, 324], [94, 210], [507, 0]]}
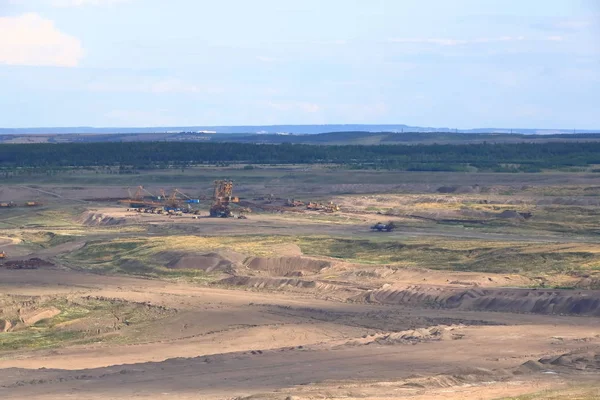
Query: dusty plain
{"points": [[489, 288]]}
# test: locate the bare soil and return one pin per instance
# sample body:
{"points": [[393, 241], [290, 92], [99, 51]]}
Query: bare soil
{"points": [[281, 320]]}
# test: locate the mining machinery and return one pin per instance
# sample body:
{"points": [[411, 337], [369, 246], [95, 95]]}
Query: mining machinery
{"points": [[137, 200], [222, 197], [330, 207], [294, 203], [381, 227]]}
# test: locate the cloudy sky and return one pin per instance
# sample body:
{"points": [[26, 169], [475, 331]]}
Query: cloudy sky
{"points": [[460, 63]]}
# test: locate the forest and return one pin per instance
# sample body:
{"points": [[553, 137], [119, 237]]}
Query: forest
{"points": [[506, 157]]}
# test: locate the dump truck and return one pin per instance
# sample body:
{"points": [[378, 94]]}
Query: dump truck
{"points": [[381, 227]]}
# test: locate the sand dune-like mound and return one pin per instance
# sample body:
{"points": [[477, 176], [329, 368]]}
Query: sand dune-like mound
{"points": [[539, 301], [580, 360], [412, 336], [268, 283], [90, 218], [285, 266], [5, 325], [30, 317], [225, 261]]}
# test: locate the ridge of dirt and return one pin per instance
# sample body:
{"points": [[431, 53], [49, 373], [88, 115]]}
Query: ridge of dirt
{"points": [[330, 290], [412, 336], [284, 266], [225, 261], [537, 301], [32, 263], [30, 317], [582, 360]]}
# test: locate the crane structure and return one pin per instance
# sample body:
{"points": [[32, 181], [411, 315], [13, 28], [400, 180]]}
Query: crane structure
{"points": [[222, 197], [138, 200], [173, 202]]}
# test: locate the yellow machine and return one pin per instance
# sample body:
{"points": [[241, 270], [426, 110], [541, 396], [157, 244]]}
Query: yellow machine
{"points": [[222, 197]]}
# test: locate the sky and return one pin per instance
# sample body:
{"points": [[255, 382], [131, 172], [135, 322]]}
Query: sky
{"points": [[458, 64]]}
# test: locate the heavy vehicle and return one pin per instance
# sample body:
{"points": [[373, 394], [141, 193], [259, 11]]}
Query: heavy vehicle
{"points": [[331, 207], [173, 202], [381, 227], [328, 207], [294, 203], [222, 197]]}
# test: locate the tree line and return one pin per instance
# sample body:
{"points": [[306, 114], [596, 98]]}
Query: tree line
{"points": [[525, 157]]}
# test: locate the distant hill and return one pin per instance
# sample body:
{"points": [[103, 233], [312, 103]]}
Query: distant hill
{"points": [[328, 138], [278, 129]]}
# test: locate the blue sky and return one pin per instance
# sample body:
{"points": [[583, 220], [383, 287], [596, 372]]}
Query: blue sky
{"points": [[458, 64]]}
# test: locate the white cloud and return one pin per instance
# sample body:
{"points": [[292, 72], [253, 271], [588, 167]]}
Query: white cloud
{"points": [[457, 42], [555, 38], [29, 39]]}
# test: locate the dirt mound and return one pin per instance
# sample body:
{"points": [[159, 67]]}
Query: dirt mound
{"points": [[32, 263], [459, 189], [206, 262], [510, 214], [30, 317], [97, 219], [5, 325], [532, 366], [329, 290], [589, 283], [539, 301], [225, 261], [285, 266], [414, 336], [268, 283], [580, 360]]}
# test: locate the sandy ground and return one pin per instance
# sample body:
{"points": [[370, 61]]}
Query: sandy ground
{"points": [[227, 343], [269, 335]]}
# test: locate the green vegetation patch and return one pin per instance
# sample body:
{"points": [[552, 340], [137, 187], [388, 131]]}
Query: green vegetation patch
{"points": [[36, 339], [150, 256], [574, 393], [456, 255], [76, 321], [47, 239]]}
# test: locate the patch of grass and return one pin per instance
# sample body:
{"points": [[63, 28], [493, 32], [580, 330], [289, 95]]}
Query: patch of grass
{"points": [[37, 338], [457, 255], [83, 320], [574, 393], [47, 239]]}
